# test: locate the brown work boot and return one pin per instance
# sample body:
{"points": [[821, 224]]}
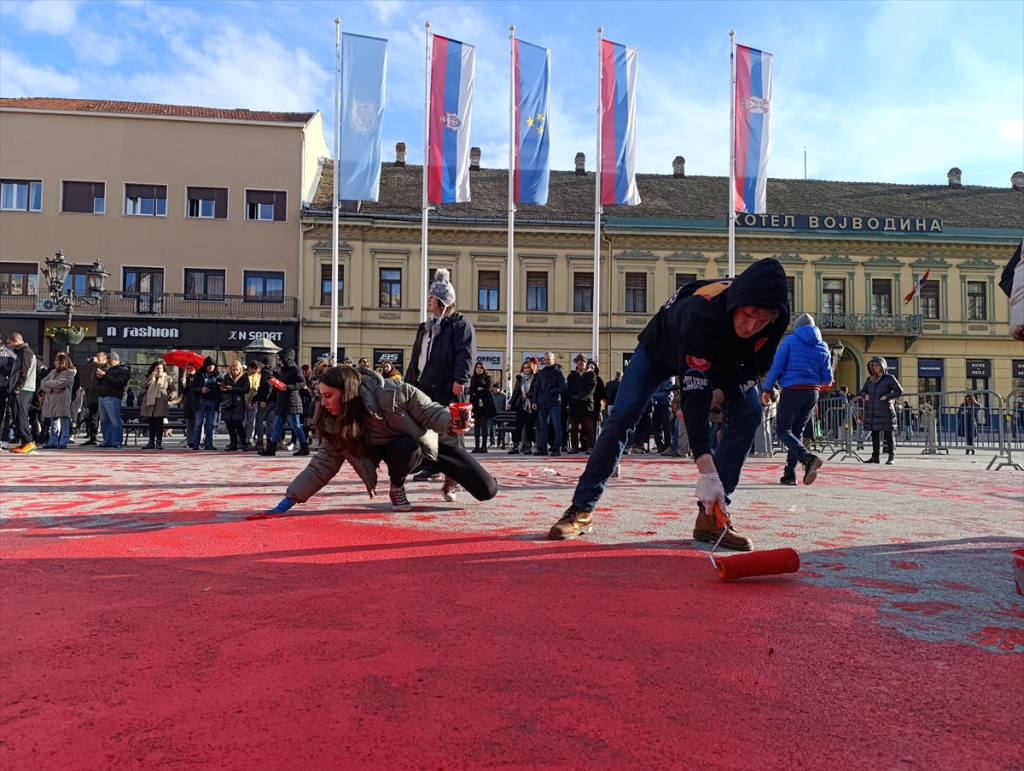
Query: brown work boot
{"points": [[574, 522], [707, 529]]}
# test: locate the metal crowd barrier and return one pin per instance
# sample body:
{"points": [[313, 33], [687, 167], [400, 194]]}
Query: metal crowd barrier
{"points": [[936, 421]]}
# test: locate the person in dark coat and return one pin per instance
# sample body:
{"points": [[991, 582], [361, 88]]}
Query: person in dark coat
{"points": [[719, 336], [579, 395], [155, 403], [878, 395], [546, 394], [483, 405], [599, 396], [443, 355], [113, 381], [526, 418], [189, 403], [205, 387], [288, 404], [967, 421], [233, 407]]}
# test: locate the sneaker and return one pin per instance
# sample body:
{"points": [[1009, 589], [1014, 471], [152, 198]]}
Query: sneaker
{"points": [[399, 500], [706, 529], [27, 447], [811, 464], [574, 522], [788, 477], [450, 490], [427, 476]]}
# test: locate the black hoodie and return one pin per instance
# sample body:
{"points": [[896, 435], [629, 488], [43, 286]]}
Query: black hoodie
{"points": [[693, 335]]}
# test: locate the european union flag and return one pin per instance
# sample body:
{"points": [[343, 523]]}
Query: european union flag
{"points": [[532, 65]]}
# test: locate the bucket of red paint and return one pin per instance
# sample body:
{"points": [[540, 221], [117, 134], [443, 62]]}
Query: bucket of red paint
{"points": [[461, 412], [1018, 569]]}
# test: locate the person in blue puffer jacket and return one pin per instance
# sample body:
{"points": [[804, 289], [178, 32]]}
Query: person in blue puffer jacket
{"points": [[802, 367]]}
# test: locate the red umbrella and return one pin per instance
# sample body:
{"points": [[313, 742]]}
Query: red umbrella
{"points": [[183, 359]]}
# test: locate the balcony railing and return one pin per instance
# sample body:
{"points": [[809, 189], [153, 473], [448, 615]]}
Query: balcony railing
{"points": [[166, 305], [865, 324]]}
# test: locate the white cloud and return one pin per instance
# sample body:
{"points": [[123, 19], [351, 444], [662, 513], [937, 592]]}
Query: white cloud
{"points": [[21, 78], [53, 17]]}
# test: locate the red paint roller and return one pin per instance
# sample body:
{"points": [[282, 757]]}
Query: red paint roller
{"points": [[760, 563]]}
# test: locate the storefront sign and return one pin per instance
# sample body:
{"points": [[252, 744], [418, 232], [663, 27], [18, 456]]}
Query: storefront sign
{"points": [[979, 368], [892, 366], [930, 367], [193, 334], [492, 360], [1018, 368], [395, 355]]}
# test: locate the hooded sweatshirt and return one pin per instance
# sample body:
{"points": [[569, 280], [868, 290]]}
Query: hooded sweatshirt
{"points": [[693, 334]]}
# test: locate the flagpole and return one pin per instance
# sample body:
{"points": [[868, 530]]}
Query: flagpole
{"points": [[513, 151], [732, 153], [426, 160], [596, 299], [335, 207]]}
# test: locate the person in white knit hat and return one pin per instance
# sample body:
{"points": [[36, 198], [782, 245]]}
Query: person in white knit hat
{"points": [[442, 358]]}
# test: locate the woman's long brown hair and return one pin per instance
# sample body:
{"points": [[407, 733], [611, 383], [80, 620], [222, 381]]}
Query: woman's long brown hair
{"points": [[346, 431]]}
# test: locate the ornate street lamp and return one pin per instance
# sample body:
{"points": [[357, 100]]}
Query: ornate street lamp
{"points": [[836, 350], [56, 273]]}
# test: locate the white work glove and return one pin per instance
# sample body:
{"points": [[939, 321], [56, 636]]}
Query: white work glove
{"points": [[710, 492]]}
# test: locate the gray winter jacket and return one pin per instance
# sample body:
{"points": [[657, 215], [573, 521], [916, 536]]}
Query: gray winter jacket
{"points": [[880, 415], [395, 408]]}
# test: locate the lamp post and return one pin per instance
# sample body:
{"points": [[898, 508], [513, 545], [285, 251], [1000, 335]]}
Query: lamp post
{"points": [[56, 273], [836, 350]]}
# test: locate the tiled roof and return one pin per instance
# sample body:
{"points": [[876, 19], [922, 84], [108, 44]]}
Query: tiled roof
{"points": [[149, 108], [571, 198]]}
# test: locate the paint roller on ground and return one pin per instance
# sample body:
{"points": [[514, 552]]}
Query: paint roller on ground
{"points": [[761, 563]]}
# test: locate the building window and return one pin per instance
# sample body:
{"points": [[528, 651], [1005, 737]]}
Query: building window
{"points": [[145, 200], [881, 297], [489, 288], [325, 284], [19, 278], [833, 296], [263, 286], [21, 195], [84, 198], [636, 293], [536, 290], [682, 279], [266, 205], [976, 306], [146, 287], [929, 299], [202, 284], [583, 292], [390, 288], [791, 293], [207, 203]]}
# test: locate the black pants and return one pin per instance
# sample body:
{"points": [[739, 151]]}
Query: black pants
{"points": [[523, 432], [92, 422], [875, 435], [236, 434], [20, 404], [156, 432], [480, 432], [403, 456]]}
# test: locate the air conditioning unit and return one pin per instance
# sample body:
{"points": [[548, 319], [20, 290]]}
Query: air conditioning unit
{"points": [[45, 305]]}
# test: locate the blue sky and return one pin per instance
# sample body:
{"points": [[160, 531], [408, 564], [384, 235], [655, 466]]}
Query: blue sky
{"points": [[875, 91]]}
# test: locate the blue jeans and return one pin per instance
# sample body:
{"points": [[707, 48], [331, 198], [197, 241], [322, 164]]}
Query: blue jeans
{"points": [[293, 422], [641, 379], [205, 419], [110, 421], [59, 430], [554, 414], [795, 408]]}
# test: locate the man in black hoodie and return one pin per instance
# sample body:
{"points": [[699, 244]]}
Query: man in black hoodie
{"points": [[719, 337]]}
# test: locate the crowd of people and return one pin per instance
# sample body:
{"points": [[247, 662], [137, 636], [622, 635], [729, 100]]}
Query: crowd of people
{"points": [[713, 377]]}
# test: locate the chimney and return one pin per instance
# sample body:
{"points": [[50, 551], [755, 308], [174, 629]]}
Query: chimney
{"points": [[953, 175], [1017, 181], [400, 155], [581, 164], [679, 167], [474, 159]]}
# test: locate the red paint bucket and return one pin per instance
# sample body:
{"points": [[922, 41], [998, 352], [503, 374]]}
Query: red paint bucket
{"points": [[461, 412]]}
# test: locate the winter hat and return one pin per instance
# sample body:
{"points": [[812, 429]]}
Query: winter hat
{"points": [[114, 356], [442, 287], [804, 320]]}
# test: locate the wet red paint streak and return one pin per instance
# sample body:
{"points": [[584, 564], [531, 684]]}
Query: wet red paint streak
{"points": [[888, 586], [926, 608]]}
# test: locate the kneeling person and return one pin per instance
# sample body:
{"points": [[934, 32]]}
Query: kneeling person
{"points": [[364, 419], [719, 336]]}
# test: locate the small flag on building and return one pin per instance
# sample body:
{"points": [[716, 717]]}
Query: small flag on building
{"points": [[917, 287], [448, 116]]}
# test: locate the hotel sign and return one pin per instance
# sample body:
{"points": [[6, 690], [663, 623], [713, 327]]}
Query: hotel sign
{"points": [[842, 223]]}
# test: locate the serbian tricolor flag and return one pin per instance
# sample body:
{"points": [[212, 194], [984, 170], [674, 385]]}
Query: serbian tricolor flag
{"points": [[618, 124], [448, 118], [917, 287], [750, 134], [531, 67]]}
